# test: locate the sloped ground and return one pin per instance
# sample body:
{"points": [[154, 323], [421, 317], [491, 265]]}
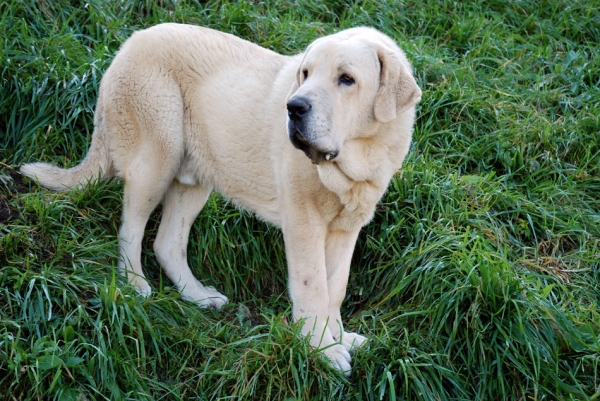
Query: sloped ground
{"points": [[478, 278]]}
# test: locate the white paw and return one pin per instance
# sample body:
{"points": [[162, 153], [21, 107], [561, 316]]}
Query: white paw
{"points": [[141, 285], [339, 358], [352, 341], [205, 297]]}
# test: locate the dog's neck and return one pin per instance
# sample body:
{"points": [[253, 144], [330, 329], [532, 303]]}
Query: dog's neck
{"points": [[357, 198], [359, 176]]}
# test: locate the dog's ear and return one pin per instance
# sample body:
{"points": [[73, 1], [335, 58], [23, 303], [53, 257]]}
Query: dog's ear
{"points": [[398, 89]]}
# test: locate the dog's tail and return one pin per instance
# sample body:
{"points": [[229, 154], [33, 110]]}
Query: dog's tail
{"points": [[97, 164]]}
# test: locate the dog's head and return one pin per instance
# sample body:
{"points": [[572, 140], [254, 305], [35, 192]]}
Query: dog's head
{"points": [[346, 85]]}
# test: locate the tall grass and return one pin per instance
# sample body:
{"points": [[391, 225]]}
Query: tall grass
{"points": [[478, 278]]}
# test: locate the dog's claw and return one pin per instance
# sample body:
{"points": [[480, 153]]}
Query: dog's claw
{"points": [[339, 358], [352, 341], [205, 297]]}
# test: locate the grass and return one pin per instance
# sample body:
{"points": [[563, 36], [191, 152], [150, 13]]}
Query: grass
{"points": [[478, 278]]}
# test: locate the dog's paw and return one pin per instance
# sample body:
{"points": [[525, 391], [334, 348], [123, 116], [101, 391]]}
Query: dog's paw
{"points": [[352, 341], [214, 301], [205, 297], [339, 358], [142, 286]]}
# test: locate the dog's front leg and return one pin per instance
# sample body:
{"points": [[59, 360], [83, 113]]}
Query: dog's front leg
{"points": [[305, 235], [339, 246]]}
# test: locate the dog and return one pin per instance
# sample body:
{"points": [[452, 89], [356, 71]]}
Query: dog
{"points": [[308, 143]]}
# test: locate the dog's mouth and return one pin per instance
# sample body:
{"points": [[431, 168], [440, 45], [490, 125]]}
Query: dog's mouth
{"points": [[315, 155]]}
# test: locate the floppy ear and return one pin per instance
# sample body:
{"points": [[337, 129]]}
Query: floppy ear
{"points": [[398, 89]]}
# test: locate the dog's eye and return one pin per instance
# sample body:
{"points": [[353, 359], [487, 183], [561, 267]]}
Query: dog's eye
{"points": [[305, 74], [346, 79]]}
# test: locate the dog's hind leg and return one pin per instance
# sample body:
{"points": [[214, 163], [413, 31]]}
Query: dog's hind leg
{"points": [[146, 180], [181, 206]]}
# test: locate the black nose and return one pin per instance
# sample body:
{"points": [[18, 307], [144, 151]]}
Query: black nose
{"points": [[297, 108]]}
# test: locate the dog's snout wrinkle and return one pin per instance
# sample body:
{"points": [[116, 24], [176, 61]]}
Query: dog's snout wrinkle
{"points": [[298, 107]]}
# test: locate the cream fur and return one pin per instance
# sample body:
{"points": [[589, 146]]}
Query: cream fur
{"points": [[185, 110]]}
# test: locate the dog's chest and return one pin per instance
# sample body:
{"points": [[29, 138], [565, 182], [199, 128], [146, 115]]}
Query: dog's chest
{"points": [[355, 199], [357, 206]]}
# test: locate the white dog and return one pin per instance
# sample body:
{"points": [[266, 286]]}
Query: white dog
{"points": [[185, 110]]}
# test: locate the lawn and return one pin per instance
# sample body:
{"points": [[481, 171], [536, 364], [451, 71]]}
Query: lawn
{"points": [[478, 278]]}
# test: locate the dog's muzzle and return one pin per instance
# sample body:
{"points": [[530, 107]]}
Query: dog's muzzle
{"points": [[299, 109]]}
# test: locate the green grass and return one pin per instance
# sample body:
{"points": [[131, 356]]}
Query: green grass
{"points": [[478, 278]]}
